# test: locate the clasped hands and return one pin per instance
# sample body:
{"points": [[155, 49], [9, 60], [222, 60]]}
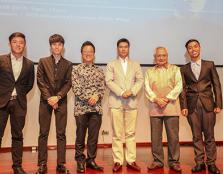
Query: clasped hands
{"points": [[53, 101], [93, 100], [161, 102], [126, 94]]}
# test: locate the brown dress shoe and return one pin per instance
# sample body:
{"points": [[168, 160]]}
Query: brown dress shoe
{"points": [[176, 167], [133, 166], [117, 167], [155, 165]]}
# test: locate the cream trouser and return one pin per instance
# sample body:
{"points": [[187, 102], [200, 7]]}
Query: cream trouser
{"points": [[123, 120]]}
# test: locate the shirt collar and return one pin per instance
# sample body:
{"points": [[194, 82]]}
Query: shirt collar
{"points": [[198, 62], [14, 58], [165, 66], [123, 60], [56, 58], [88, 65]]}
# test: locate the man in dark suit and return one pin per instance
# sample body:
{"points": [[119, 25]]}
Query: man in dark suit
{"points": [[198, 103], [54, 82], [16, 80]]}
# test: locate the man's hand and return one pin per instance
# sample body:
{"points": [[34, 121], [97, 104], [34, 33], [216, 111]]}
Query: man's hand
{"points": [[162, 102], [184, 112], [93, 100], [217, 110], [55, 106], [53, 100], [127, 94]]}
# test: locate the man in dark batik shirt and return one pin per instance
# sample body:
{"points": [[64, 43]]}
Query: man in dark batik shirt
{"points": [[88, 84]]}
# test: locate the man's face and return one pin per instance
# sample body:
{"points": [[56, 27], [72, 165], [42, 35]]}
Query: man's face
{"points": [[57, 48], [193, 49], [123, 49], [17, 45], [161, 57], [88, 54]]}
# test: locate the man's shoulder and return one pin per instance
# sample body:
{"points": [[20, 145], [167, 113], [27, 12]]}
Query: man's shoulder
{"points": [[4, 56], [45, 59], [67, 61]]}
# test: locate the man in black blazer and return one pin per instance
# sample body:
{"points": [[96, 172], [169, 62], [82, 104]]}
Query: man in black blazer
{"points": [[16, 80], [201, 100], [54, 82]]}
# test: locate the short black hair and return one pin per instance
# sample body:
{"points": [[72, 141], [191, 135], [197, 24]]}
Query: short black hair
{"points": [[56, 38], [17, 34], [87, 43], [191, 40], [123, 40]]}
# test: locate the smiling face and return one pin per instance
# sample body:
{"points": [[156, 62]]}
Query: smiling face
{"points": [[193, 50], [161, 57], [17, 45], [88, 54]]}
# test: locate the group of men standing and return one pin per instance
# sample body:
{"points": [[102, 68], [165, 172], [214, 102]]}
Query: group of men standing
{"points": [[193, 91]]}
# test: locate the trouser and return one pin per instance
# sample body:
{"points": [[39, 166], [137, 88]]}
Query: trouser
{"points": [[45, 115], [123, 120], [172, 130], [200, 122], [92, 122], [17, 121]]}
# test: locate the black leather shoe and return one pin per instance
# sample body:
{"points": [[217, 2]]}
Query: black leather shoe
{"points": [[19, 170], [94, 166], [213, 169], [80, 167], [198, 167], [117, 166], [176, 167], [62, 169], [42, 169]]}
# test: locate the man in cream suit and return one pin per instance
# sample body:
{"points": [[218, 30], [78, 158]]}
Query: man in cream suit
{"points": [[124, 78]]}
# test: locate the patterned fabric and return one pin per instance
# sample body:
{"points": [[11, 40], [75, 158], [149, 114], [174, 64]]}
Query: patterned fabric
{"points": [[87, 80]]}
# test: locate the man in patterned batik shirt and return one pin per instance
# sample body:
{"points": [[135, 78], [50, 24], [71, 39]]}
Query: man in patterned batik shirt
{"points": [[88, 84]]}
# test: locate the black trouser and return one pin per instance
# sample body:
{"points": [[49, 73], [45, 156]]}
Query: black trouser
{"points": [[200, 122], [45, 115], [92, 122], [17, 121]]}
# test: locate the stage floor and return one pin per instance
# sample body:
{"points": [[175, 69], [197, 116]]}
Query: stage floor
{"points": [[104, 158]]}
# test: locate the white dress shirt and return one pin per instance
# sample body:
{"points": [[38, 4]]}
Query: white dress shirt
{"points": [[16, 68], [124, 63], [196, 68]]}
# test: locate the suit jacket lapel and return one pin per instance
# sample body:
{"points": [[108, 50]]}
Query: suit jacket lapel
{"points": [[9, 62], [24, 64], [119, 65], [191, 72], [202, 70], [128, 68]]}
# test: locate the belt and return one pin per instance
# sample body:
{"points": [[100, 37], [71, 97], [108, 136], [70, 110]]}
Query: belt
{"points": [[13, 97]]}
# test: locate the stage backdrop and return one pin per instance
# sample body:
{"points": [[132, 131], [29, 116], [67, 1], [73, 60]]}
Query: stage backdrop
{"points": [[146, 23], [31, 129]]}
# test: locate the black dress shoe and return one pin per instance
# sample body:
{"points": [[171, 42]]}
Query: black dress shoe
{"points": [[19, 170], [42, 169], [213, 169], [94, 166], [176, 167], [80, 167], [198, 167], [62, 169], [117, 167], [133, 166]]}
